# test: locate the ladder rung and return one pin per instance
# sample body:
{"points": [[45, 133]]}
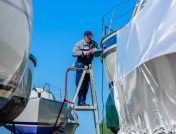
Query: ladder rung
{"points": [[84, 108]]}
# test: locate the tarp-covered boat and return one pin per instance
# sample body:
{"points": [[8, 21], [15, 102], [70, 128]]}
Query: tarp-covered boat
{"points": [[145, 80], [145, 77], [15, 32]]}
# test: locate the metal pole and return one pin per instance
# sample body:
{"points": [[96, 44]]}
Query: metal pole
{"points": [[110, 23], [103, 27]]}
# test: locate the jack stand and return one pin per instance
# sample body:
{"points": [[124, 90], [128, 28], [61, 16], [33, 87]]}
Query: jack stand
{"points": [[14, 128]]}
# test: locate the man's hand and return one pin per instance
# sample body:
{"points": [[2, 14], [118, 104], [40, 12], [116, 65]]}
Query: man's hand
{"points": [[87, 52]]}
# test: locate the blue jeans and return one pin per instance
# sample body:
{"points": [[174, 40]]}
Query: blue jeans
{"points": [[85, 85]]}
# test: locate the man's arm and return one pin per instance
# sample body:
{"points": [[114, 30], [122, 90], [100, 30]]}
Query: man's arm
{"points": [[76, 50]]}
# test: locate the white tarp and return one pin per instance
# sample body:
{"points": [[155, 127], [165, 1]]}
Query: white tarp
{"points": [[150, 34], [145, 81]]}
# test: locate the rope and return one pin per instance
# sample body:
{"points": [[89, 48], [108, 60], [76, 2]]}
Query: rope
{"points": [[117, 5], [124, 14], [58, 116]]}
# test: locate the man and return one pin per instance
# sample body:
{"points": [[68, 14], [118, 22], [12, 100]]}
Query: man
{"points": [[83, 51]]}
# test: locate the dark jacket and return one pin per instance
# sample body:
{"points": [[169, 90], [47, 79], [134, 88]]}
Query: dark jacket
{"points": [[83, 46]]}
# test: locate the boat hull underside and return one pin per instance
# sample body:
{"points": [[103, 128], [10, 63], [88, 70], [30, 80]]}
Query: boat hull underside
{"points": [[12, 107], [31, 129], [34, 128], [70, 128], [148, 104]]}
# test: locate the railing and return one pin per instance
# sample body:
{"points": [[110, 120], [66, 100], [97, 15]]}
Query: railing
{"points": [[66, 83], [110, 25], [58, 96], [64, 92]]}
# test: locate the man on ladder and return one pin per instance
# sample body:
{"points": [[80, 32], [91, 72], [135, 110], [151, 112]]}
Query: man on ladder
{"points": [[83, 50]]}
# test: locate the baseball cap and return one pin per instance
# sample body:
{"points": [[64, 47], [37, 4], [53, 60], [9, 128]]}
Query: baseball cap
{"points": [[88, 33]]}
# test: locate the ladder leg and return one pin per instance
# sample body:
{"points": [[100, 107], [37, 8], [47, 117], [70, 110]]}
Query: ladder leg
{"points": [[94, 100], [96, 121], [79, 85]]}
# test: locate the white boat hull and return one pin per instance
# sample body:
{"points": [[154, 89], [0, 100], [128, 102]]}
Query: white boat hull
{"points": [[40, 115], [109, 45]]}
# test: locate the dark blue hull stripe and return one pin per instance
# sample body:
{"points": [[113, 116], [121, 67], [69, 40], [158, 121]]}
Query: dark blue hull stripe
{"points": [[31, 128], [31, 123]]}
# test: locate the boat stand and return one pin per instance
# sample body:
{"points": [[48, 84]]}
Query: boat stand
{"points": [[94, 107], [14, 128]]}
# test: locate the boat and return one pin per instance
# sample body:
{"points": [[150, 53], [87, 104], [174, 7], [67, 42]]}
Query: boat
{"points": [[40, 115], [109, 47], [110, 39], [144, 80], [16, 66]]}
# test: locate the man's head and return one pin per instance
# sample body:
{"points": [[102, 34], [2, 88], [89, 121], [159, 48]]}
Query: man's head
{"points": [[88, 36]]}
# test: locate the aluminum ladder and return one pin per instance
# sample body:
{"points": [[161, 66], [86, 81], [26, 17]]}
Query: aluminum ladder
{"points": [[94, 107]]}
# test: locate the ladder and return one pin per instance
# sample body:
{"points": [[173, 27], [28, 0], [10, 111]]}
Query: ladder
{"points": [[94, 107]]}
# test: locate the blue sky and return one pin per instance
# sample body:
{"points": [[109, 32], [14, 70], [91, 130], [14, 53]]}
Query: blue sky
{"points": [[57, 26]]}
